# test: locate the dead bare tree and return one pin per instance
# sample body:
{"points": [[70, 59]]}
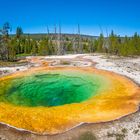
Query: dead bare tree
{"points": [[55, 32], [79, 40], [48, 31], [55, 39], [49, 36], [101, 30], [106, 42], [74, 44], [59, 43]]}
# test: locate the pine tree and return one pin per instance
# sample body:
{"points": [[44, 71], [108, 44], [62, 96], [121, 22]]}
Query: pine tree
{"points": [[113, 44], [43, 47], [19, 32]]}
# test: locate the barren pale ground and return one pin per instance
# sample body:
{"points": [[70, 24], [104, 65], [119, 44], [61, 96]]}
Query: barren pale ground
{"points": [[127, 128]]}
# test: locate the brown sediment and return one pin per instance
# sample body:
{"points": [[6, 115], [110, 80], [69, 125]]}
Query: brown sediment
{"points": [[120, 99]]}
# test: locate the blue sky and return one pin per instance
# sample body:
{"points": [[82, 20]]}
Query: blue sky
{"points": [[94, 16]]}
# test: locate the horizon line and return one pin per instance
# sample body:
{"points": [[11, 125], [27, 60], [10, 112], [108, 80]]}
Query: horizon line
{"points": [[82, 34]]}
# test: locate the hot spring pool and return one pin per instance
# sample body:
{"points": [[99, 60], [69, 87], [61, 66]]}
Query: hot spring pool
{"points": [[47, 100], [51, 89]]}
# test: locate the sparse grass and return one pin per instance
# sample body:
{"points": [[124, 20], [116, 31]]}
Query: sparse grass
{"points": [[117, 135], [11, 64], [23, 55], [136, 131], [120, 136], [110, 134], [86, 136], [65, 63], [124, 130], [139, 126]]}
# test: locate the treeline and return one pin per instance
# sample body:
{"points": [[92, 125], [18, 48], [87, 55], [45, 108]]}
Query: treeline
{"points": [[116, 45], [59, 44]]}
